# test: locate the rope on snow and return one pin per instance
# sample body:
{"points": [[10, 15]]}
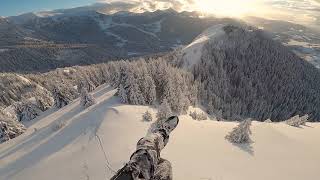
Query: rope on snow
{"points": [[105, 155]]}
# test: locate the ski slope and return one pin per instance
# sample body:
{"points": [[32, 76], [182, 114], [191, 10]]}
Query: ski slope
{"points": [[197, 150]]}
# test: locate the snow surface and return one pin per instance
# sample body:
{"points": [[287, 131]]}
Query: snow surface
{"points": [[193, 52], [197, 149], [24, 79], [108, 23], [44, 14]]}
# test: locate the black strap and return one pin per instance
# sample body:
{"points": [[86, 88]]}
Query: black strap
{"points": [[123, 174]]}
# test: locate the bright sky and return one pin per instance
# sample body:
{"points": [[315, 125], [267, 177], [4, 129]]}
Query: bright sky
{"points": [[304, 11], [230, 7]]}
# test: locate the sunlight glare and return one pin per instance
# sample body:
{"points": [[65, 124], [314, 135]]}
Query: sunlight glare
{"points": [[230, 8]]}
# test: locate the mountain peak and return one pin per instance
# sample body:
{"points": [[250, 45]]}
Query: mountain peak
{"points": [[217, 35], [243, 68]]}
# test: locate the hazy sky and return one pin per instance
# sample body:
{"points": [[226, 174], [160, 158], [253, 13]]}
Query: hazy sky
{"points": [[14, 7], [302, 11]]}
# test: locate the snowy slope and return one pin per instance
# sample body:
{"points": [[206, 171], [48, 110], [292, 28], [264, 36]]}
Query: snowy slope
{"points": [[196, 149], [193, 52]]}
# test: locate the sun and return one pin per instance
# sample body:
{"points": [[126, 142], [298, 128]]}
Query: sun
{"points": [[232, 8]]}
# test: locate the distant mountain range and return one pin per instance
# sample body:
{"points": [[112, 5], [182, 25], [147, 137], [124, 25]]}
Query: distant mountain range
{"points": [[37, 43], [43, 41]]}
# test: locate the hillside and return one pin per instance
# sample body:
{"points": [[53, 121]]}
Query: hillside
{"points": [[244, 73], [42, 41], [197, 149], [82, 37]]}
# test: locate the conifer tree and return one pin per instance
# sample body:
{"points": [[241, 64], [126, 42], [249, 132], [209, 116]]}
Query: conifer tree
{"points": [[164, 111], [297, 121], [10, 126], [149, 90], [61, 98], [27, 111], [147, 116], [122, 94], [86, 99], [241, 133]]}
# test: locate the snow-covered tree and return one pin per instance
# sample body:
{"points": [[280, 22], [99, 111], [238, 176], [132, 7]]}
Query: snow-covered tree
{"points": [[164, 111], [219, 115], [61, 97], [297, 121], [4, 132], [85, 83], [27, 111], [304, 119], [241, 133], [268, 121], [130, 87], [169, 92], [147, 116], [122, 94], [149, 90], [200, 116], [135, 96], [9, 126], [86, 99], [44, 102]]}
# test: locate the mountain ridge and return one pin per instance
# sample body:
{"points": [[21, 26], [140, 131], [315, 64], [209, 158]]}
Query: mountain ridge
{"points": [[114, 36], [244, 73]]}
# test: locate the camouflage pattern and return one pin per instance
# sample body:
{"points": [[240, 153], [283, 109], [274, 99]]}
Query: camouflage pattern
{"points": [[146, 163]]}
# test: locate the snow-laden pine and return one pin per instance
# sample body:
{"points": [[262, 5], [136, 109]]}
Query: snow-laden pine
{"points": [[13, 127], [147, 117], [298, 121], [241, 133], [164, 111], [27, 110], [86, 99]]}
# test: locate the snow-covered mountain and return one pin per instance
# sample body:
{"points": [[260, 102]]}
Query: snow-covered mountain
{"points": [[197, 149], [103, 32], [233, 72], [192, 53], [81, 36], [245, 73], [304, 41]]}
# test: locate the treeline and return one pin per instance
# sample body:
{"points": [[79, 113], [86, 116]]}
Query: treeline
{"points": [[147, 81], [153, 82]]}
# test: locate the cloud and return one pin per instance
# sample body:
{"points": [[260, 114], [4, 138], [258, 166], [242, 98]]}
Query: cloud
{"points": [[305, 12], [301, 11], [152, 5]]}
